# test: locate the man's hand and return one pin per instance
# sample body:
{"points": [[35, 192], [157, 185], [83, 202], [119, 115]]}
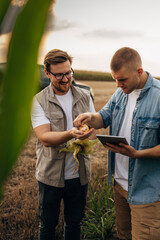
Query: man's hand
{"points": [[79, 134], [82, 119], [123, 149], [93, 120], [129, 151]]}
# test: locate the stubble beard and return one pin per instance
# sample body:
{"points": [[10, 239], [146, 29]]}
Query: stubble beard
{"points": [[59, 89]]}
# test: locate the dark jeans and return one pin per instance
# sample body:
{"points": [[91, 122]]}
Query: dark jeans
{"points": [[74, 198]]}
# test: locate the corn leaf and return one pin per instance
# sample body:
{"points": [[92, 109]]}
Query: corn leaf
{"points": [[83, 146], [4, 4], [79, 147], [19, 82]]}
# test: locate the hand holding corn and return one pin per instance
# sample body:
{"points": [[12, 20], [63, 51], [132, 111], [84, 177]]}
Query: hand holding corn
{"points": [[80, 146]]}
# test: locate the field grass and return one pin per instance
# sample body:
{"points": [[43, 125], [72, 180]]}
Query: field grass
{"points": [[92, 76]]}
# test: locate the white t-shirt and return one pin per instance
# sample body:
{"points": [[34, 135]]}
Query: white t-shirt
{"points": [[38, 118], [121, 161]]}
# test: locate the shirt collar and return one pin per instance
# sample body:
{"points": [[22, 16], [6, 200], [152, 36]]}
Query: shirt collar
{"points": [[148, 83]]}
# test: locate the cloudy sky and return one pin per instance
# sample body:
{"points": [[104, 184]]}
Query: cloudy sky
{"points": [[91, 31]]}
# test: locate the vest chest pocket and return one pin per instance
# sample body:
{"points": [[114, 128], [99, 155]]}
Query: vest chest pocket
{"points": [[57, 121]]}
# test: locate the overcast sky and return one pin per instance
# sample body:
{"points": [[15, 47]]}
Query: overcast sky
{"points": [[91, 31]]}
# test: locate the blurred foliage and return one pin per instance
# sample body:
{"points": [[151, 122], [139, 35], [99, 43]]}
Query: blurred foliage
{"points": [[18, 82]]}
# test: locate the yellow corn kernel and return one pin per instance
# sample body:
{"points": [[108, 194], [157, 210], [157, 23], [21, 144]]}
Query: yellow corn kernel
{"points": [[84, 128]]}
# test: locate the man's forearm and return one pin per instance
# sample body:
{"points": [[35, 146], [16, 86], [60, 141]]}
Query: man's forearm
{"points": [[149, 153], [50, 139]]}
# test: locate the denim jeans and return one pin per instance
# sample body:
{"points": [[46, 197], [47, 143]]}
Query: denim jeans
{"points": [[74, 199]]}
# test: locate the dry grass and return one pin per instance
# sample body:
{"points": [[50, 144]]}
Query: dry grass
{"points": [[18, 211]]}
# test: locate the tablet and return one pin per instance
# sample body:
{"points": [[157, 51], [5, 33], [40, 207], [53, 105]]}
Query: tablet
{"points": [[104, 139]]}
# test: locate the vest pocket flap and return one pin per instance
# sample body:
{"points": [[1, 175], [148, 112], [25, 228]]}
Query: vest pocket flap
{"points": [[53, 152], [56, 115], [57, 121]]}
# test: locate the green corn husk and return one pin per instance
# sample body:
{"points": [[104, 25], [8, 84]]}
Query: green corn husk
{"points": [[79, 147]]}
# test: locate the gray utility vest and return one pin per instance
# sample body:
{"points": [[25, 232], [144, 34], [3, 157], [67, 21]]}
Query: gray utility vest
{"points": [[50, 163]]}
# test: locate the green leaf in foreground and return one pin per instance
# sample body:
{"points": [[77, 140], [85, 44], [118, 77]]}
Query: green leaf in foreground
{"points": [[4, 4], [19, 82]]}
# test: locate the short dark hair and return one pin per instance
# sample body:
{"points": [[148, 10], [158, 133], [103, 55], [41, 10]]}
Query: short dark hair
{"points": [[54, 57], [125, 57]]}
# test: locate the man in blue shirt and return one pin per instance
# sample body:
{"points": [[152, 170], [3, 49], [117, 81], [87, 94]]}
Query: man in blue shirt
{"points": [[134, 112]]}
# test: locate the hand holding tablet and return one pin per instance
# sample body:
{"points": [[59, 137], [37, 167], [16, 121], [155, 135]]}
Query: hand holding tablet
{"points": [[104, 139]]}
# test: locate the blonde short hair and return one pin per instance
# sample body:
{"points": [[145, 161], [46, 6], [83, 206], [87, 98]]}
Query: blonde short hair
{"points": [[125, 57]]}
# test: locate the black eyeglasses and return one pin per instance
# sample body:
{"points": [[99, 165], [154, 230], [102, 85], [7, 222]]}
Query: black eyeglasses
{"points": [[60, 76]]}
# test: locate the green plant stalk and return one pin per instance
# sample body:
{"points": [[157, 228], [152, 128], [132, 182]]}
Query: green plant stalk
{"points": [[19, 83]]}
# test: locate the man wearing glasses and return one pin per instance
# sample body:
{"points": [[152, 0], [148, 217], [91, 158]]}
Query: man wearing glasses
{"points": [[54, 109]]}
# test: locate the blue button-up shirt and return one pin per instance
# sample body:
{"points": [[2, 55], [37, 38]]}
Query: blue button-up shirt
{"points": [[144, 173]]}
